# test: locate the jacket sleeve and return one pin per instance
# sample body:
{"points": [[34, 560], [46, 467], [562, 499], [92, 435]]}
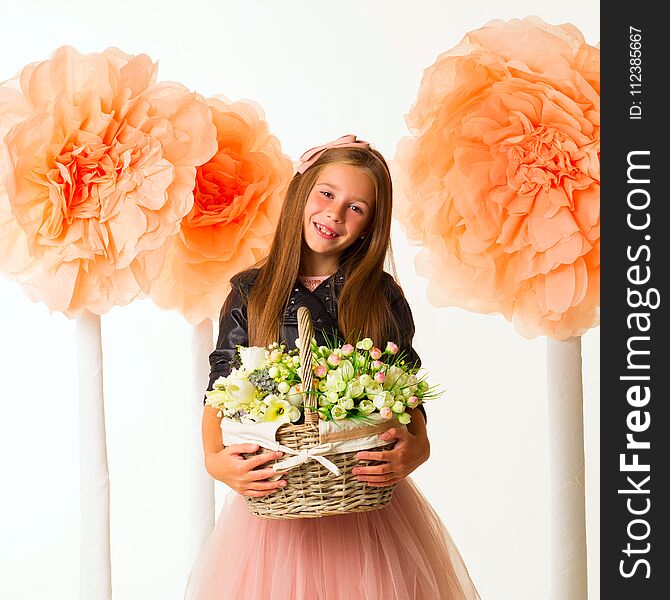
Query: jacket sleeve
{"points": [[232, 331], [403, 314]]}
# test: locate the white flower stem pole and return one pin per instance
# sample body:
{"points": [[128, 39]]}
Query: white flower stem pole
{"points": [[568, 578], [201, 485], [95, 574]]}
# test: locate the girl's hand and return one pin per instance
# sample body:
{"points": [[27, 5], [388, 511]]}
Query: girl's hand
{"points": [[240, 473], [409, 452]]}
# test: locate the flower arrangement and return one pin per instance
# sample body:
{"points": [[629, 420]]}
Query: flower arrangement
{"points": [[351, 382], [264, 386]]}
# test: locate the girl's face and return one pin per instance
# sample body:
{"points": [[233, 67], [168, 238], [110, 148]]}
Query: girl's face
{"points": [[339, 210]]}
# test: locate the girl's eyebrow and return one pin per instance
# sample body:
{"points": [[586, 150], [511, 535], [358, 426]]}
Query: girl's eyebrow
{"points": [[336, 188]]}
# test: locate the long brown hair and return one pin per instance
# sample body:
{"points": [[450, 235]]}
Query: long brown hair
{"points": [[363, 308]]}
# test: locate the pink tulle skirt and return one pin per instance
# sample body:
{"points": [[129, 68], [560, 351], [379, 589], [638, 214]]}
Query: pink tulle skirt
{"points": [[401, 552]]}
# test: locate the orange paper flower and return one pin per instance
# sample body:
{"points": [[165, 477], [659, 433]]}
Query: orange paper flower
{"points": [[501, 178], [98, 171], [238, 197]]}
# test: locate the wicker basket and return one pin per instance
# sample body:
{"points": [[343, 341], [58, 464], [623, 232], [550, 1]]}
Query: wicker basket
{"points": [[312, 490]]}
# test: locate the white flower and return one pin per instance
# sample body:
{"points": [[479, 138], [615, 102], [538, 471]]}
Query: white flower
{"points": [[365, 380], [355, 389], [382, 399], [332, 396], [365, 344], [293, 414], [335, 382], [273, 372], [404, 418], [338, 412], [374, 388], [346, 403], [393, 373], [270, 398], [216, 397], [240, 390], [278, 410], [219, 383], [398, 407], [294, 397], [283, 387], [252, 357], [366, 407], [346, 369]]}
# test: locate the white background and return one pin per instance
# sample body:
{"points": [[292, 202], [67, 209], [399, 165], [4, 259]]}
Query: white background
{"points": [[319, 70]]}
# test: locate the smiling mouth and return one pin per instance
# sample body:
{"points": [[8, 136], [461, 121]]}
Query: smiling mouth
{"points": [[325, 231]]}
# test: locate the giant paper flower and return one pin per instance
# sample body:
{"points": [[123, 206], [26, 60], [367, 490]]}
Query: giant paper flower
{"points": [[98, 171], [238, 197], [500, 181]]}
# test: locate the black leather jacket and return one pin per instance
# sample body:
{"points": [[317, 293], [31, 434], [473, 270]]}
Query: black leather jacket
{"points": [[322, 304]]}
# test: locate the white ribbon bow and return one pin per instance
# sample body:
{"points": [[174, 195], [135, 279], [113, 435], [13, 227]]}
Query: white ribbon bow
{"points": [[302, 456]]}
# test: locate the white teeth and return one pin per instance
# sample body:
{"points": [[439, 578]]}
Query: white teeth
{"points": [[324, 230]]}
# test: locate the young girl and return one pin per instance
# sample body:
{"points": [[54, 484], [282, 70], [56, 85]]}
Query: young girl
{"points": [[328, 254]]}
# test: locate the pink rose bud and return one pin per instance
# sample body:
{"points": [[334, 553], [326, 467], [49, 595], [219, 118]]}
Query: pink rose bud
{"points": [[321, 371], [376, 353], [377, 364], [412, 401], [380, 377], [386, 412], [391, 348], [347, 349], [334, 360]]}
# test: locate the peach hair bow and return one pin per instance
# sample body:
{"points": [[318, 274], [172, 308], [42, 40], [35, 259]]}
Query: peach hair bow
{"points": [[312, 155]]}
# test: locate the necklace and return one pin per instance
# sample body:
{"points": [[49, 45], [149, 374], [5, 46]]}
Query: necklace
{"points": [[311, 283]]}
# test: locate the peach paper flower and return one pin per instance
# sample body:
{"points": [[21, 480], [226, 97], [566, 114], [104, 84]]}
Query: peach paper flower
{"points": [[98, 170], [238, 197], [501, 178]]}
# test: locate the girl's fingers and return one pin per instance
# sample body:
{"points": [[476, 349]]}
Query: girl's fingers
{"points": [[259, 486], [263, 488], [373, 470], [242, 448], [261, 459], [383, 456], [260, 474]]}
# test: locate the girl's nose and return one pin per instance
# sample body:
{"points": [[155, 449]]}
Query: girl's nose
{"points": [[335, 213]]}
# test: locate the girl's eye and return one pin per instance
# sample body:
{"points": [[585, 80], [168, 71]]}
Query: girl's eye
{"points": [[356, 208], [327, 194]]}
